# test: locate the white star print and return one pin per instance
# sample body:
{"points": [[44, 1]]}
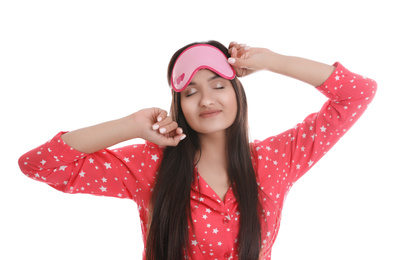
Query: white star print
{"points": [[276, 172], [310, 163], [154, 157], [62, 168]]}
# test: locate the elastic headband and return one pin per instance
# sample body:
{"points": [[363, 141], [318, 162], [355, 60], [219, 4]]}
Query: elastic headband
{"points": [[195, 58]]}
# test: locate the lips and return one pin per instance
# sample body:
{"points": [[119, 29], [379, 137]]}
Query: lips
{"points": [[210, 113]]}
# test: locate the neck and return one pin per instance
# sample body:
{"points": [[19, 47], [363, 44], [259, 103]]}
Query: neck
{"points": [[213, 147]]}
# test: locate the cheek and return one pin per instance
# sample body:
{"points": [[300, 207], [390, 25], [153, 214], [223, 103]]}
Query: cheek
{"points": [[186, 110], [233, 105]]}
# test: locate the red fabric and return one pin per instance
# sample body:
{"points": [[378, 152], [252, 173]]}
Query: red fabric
{"points": [[130, 172]]}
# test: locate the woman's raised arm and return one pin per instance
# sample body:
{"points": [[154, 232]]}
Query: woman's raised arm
{"points": [[247, 60], [151, 124]]}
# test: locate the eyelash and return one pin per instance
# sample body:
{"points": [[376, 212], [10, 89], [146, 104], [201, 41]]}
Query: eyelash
{"points": [[219, 87]]}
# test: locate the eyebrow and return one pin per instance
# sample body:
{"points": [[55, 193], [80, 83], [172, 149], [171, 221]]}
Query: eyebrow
{"points": [[210, 79]]}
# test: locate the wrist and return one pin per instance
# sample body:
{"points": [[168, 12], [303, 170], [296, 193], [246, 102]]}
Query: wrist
{"points": [[128, 127]]}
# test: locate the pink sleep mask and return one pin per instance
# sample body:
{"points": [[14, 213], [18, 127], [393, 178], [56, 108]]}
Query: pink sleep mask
{"points": [[195, 58]]}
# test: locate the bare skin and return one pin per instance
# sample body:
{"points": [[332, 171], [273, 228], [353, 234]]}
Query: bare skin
{"points": [[154, 125]]}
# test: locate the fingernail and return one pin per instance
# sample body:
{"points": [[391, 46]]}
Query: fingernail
{"points": [[162, 130], [155, 127], [159, 118], [234, 42], [231, 60], [247, 48], [242, 45], [182, 137]]}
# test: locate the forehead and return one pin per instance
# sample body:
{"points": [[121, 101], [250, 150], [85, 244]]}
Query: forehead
{"points": [[204, 76]]}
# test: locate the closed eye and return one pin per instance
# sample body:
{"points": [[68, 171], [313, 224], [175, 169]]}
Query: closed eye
{"points": [[190, 93], [219, 85]]}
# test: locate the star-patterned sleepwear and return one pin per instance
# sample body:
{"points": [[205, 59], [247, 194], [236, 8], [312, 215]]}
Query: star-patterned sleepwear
{"points": [[130, 172]]}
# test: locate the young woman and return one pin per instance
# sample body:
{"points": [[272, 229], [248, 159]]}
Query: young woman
{"points": [[203, 191]]}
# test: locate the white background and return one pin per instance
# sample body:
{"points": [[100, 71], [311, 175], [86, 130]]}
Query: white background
{"points": [[70, 64]]}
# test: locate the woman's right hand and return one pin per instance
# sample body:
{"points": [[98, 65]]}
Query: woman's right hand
{"points": [[246, 60], [154, 125]]}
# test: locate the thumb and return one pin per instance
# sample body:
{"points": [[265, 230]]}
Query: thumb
{"points": [[172, 141]]}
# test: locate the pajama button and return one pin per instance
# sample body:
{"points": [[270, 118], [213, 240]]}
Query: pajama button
{"points": [[225, 221], [226, 255]]}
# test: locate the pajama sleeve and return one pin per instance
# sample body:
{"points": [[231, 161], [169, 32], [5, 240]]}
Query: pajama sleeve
{"points": [[127, 172], [283, 159]]}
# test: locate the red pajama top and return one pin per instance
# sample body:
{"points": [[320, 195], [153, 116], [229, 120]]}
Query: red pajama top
{"points": [[130, 171]]}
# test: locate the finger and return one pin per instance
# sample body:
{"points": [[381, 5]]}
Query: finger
{"points": [[172, 126], [174, 141], [233, 52], [178, 131], [242, 61], [242, 52], [231, 45], [239, 46], [162, 122], [162, 114], [238, 63]]}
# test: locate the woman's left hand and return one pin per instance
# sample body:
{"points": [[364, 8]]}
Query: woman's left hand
{"points": [[246, 60]]}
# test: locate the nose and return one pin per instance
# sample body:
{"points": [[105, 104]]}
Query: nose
{"points": [[207, 99]]}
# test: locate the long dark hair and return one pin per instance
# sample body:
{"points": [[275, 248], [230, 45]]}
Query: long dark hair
{"points": [[170, 204]]}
